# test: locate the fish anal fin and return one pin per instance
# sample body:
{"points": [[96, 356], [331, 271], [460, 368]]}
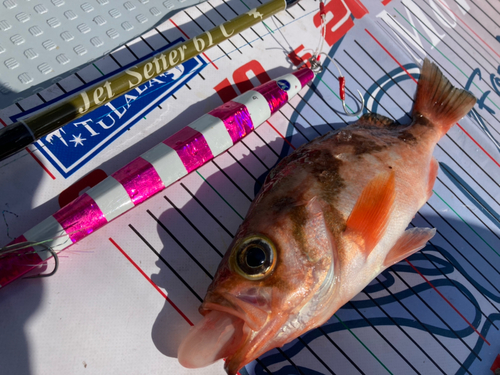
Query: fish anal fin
{"points": [[433, 172], [410, 242], [369, 218]]}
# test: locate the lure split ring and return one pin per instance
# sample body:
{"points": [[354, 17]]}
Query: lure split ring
{"points": [[316, 66]]}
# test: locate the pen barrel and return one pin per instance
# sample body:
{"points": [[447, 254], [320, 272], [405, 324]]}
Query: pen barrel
{"points": [[14, 138], [156, 169], [97, 95]]}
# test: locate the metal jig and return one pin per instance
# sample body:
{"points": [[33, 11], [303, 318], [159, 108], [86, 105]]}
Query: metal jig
{"points": [[12, 249]]}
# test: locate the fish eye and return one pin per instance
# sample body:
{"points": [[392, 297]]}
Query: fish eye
{"points": [[254, 258]]}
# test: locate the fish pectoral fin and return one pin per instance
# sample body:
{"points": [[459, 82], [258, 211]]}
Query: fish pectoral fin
{"points": [[369, 218], [410, 242]]}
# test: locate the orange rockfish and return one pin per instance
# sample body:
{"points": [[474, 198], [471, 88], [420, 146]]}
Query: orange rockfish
{"points": [[330, 217]]}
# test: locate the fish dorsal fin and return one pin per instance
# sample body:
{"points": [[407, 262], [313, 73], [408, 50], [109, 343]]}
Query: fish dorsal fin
{"points": [[374, 120], [410, 242], [369, 218]]}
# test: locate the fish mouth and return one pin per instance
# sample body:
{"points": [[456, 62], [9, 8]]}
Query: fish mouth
{"points": [[244, 307], [228, 323]]}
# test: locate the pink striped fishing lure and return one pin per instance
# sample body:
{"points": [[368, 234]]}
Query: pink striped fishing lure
{"points": [[153, 171]]}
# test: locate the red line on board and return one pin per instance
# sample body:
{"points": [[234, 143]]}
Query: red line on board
{"points": [[203, 53], [461, 20], [281, 135], [154, 285], [478, 145], [473, 140], [449, 303], [34, 157], [179, 29], [40, 163], [151, 282], [211, 62], [397, 62], [385, 2]]}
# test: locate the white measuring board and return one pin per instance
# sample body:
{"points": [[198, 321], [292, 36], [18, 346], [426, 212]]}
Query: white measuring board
{"points": [[124, 297]]}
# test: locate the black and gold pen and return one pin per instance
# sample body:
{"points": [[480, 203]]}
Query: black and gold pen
{"points": [[19, 135]]}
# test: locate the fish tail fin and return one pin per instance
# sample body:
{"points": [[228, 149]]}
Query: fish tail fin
{"points": [[438, 100]]}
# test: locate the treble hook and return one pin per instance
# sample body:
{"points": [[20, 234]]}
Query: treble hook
{"points": [[342, 94]]}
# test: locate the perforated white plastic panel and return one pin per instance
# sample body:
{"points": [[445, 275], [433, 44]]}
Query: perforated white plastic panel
{"points": [[44, 41]]}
